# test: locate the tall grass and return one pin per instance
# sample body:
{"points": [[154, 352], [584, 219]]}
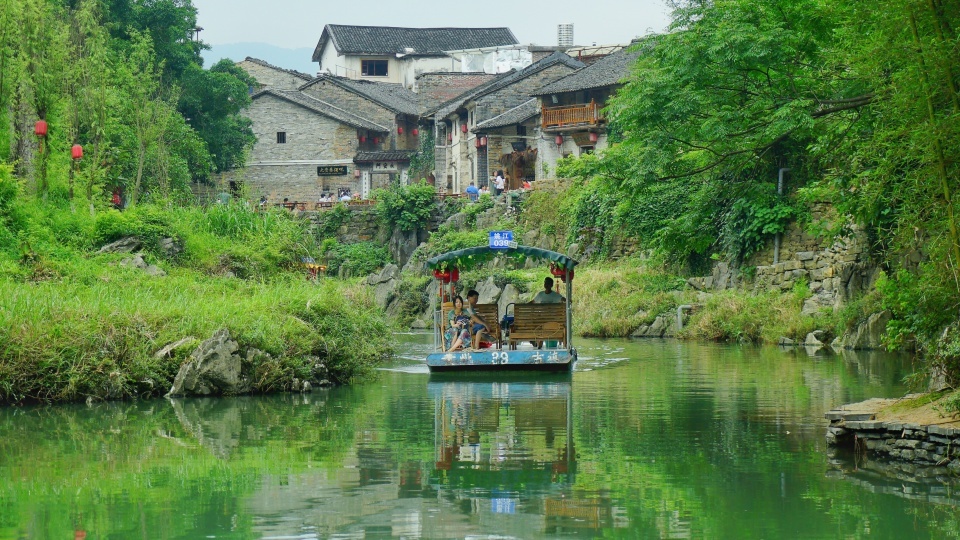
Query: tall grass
{"points": [[73, 324]]}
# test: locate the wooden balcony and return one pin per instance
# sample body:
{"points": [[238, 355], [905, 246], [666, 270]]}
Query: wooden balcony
{"points": [[571, 115]]}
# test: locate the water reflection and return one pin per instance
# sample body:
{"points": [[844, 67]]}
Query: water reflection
{"points": [[493, 437], [645, 439]]}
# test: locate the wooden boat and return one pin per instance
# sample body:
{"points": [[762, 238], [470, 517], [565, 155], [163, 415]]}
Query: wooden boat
{"points": [[540, 336]]}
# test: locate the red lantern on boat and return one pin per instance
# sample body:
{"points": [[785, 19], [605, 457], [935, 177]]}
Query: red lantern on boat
{"points": [[447, 275], [76, 152], [40, 128]]}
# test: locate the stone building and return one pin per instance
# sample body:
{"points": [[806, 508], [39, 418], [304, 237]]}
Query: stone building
{"points": [[571, 117], [305, 147], [398, 55], [381, 158], [271, 76], [461, 155]]}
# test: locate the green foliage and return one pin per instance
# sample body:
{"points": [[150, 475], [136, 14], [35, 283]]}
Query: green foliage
{"points": [[423, 161], [358, 259], [484, 203], [752, 219], [406, 207], [329, 222], [445, 240]]}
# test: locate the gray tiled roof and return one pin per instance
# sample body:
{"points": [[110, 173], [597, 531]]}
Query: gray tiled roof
{"points": [[516, 115], [324, 108], [608, 71], [383, 155], [392, 96], [293, 72], [388, 40], [502, 81]]}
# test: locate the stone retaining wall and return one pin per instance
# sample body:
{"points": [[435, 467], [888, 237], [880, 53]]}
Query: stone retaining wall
{"points": [[924, 450]]}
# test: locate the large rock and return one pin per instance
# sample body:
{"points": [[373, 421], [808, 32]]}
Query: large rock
{"points": [[387, 273], [385, 293], [170, 247], [664, 325], [137, 262], [868, 335], [402, 245], [213, 368], [124, 245], [489, 292], [509, 295]]}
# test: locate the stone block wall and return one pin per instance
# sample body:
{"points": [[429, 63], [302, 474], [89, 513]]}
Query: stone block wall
{"points": [[835, 272], [309, 135], [933, 448]]}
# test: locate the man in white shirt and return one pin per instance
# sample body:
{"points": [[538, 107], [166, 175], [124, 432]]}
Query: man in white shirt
{"points": [[547, 295]]}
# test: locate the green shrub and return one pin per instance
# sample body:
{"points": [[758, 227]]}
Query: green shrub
{"points": [[357, 259], [406, 207]]}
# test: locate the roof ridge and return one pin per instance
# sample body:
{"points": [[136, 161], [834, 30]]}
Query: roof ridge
{"points": [[264, 63], [293, 95]]}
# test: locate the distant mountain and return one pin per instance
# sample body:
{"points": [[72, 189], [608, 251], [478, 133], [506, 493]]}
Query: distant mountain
{"points": [[298, 59]]}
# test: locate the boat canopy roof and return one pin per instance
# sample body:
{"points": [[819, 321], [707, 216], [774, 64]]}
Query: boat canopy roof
{"points": [[469, 257]]}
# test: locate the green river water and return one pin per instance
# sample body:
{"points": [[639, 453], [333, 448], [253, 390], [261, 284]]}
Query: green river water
{"points": [[646, 439]]}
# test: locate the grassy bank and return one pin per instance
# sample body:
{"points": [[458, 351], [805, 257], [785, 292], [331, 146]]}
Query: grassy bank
{"points": [[76, 324]]}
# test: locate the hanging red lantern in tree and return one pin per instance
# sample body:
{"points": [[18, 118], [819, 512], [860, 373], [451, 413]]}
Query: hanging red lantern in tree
{"points": [[76, 151], [40, 129]]}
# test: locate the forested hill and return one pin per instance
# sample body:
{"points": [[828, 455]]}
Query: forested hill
{"points": [[858, 101], [124, 79]]}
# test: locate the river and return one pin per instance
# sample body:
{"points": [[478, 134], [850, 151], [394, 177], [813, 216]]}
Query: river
{"points": [[646, 439]]}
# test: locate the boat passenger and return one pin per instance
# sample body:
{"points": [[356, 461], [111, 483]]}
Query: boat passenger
{"points": [[480, 327], [547, 295], [458, 326]]}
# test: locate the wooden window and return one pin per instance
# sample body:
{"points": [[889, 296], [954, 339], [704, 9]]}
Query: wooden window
{"points": [[281, 137], [373, 68]]}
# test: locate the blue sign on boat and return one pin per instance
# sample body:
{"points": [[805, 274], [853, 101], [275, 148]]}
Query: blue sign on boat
{"points": [[501, 240]]}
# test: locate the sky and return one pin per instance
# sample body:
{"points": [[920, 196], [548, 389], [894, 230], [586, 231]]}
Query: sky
{"points": [[295, 24]]}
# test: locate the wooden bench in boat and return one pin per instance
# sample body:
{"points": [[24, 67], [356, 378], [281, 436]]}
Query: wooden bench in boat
{"points": [[538, 322], [490, 313]]}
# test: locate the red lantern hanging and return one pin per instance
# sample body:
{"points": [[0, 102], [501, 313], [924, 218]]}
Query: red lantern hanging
{"points": [[593, 137], [477, 142], [559, 140], [76, 151], [363, 138], [416, 132], [376, 140], [463, 128], [449, 137], [399, 130], [447, 275], [483, 141], [40, 129]]}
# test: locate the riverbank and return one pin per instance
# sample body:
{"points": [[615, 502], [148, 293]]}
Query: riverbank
{"points": [[918, 434], [90, 303]]}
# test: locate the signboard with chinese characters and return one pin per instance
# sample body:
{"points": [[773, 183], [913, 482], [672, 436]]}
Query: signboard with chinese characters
{"points": [[501, 240], [331, 170]]}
